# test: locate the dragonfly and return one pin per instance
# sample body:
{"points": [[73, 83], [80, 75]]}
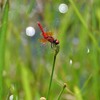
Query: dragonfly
{"points": [[47, 36]]}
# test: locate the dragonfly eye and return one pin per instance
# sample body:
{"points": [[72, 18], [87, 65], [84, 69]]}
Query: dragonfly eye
{"points": [[57, 42]]}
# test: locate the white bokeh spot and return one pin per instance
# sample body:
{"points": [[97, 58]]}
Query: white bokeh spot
{"points": [[30, 31], [11, 97], [63, 8], [88, 50], [70, 61]]}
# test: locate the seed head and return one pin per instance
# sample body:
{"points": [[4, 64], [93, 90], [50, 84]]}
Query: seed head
{"points": [[42, 98]]}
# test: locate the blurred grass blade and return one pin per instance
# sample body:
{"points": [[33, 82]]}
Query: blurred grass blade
{"points": [[78, 14], [77, 93], [84, 24], [30, 7], [2, 43], [25, 82]]}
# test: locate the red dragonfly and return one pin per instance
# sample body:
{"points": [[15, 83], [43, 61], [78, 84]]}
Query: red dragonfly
{"points": [[47, 36]]}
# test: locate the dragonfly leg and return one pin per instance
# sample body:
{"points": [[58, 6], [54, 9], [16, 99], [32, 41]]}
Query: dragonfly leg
{"points": [[51, 45]]}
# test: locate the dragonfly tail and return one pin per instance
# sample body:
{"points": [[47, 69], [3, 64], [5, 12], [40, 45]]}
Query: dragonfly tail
{"points": [[41, 28]]}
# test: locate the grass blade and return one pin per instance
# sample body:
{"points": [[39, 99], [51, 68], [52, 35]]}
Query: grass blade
{"points": [[26, 83], [89, 33], [2, 43], [77, 93]]}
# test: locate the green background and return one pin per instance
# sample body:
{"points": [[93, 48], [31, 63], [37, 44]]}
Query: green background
{"points": [[25, 63]]}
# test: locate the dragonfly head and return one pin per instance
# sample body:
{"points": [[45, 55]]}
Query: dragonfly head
{"points": [[56, 41]]}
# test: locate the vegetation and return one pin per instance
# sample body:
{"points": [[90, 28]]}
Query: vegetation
{"points": [[26, 64]]}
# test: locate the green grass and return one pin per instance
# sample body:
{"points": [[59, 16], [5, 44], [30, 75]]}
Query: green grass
{"points": [[25, 82], [3, 30], [26, 64]]}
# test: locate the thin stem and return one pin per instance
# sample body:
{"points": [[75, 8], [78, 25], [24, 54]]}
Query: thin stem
{"points": [[51, 76], [56, 52], [87, 81], [61, 91]]}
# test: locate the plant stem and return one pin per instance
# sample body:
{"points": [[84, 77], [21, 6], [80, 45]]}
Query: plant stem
{"points": [[61, 91], [54, 60]]}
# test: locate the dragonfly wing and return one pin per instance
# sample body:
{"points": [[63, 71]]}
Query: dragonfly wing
{"points": [[49, 33], [43, 40]]}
